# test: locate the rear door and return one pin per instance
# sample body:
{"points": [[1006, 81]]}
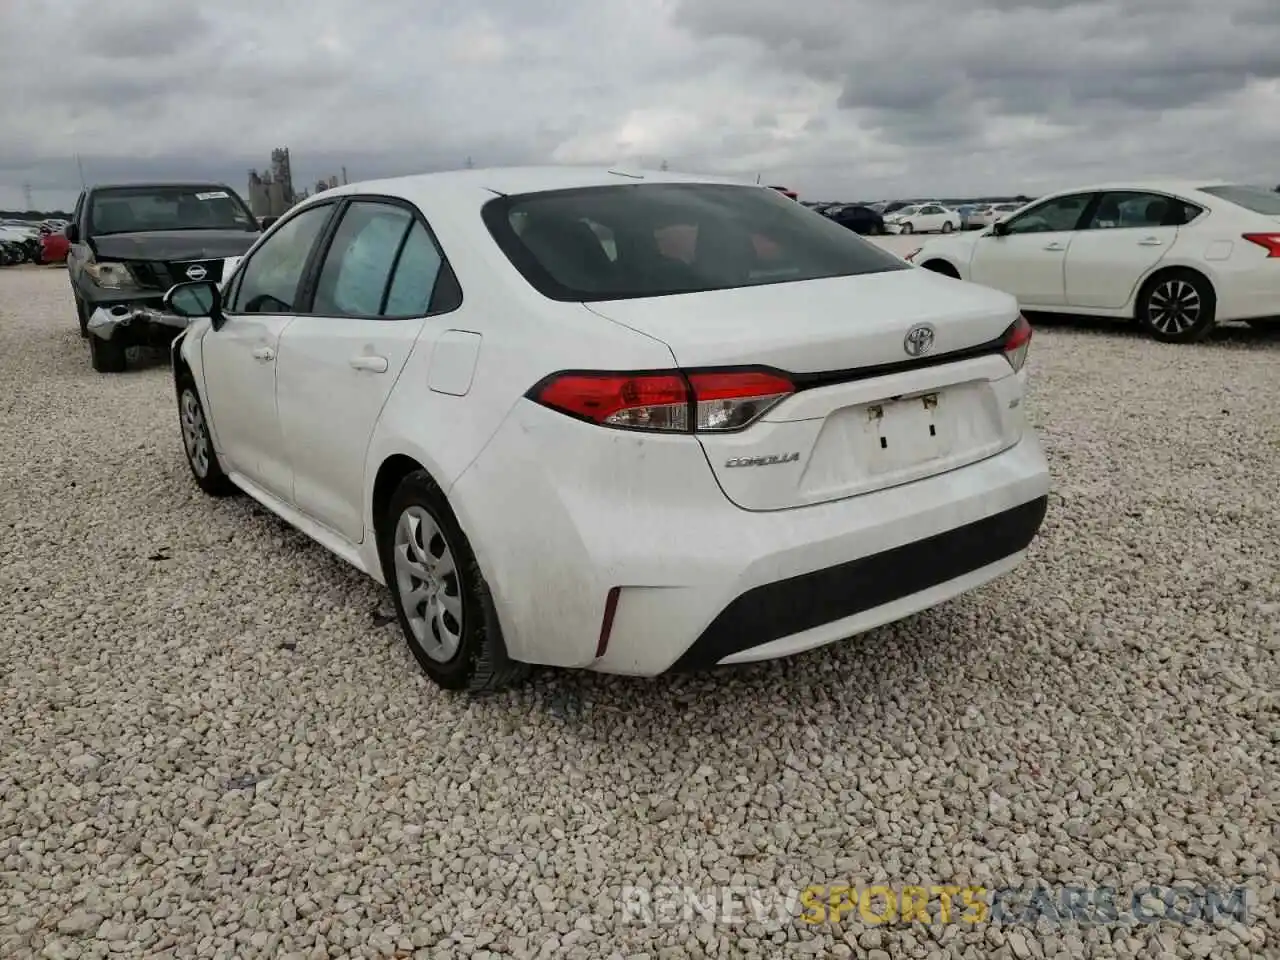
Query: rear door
{"points": [[1126, 236], [1029, 260], [377, 283]]}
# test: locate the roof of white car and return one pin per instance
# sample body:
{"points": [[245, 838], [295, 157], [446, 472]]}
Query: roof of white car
{"points": [[1160, 186], [513, 180]]}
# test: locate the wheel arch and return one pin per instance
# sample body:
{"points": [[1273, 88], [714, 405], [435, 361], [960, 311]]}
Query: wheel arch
{"points": [[1161, 270], [941, 265]]}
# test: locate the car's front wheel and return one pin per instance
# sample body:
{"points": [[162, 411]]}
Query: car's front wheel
{"points": [[1178, 306], [198, 442], [906, 227], [946, 226], [442, 602], [82, 313]]}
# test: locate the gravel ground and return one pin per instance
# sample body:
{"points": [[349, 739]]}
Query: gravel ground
{"points": [[214, 744]]}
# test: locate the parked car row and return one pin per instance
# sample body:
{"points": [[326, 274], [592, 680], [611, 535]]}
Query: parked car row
{"points": [[19, 243], [1177, 256]]}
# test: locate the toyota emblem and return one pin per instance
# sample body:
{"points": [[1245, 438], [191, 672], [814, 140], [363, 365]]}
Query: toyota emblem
{"points": [[919, 340], [197, 272]]}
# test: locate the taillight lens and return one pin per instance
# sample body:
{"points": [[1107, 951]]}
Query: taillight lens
{"points": [[666, 402], [1271, 241], [1017, 342], [731, 400], [911, 257]]}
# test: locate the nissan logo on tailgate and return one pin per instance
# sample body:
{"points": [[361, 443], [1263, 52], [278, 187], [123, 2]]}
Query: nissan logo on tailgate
{"points": [[919, 340], [196, 272]]}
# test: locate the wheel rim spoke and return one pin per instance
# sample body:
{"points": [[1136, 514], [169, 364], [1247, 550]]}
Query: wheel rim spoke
{"points": [[427, 583], [1174, 307]]}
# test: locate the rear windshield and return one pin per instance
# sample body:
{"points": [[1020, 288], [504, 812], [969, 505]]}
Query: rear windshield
{"points": [[1251, 198], [140, 209], [653, 240]]}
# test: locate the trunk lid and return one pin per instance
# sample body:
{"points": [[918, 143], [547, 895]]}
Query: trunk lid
{"points": [[865, 416]]}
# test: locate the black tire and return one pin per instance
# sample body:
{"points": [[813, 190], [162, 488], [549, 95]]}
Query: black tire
{"points": [[106, 356], [1177, 306], [946, 226], [479, 663], [82, 312], [198, 443], [907, 228]]}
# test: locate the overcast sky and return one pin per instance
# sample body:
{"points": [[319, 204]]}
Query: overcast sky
{"points": [[840, 99]]}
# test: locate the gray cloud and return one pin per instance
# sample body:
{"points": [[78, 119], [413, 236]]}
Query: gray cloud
{"points": [[848, 98]]}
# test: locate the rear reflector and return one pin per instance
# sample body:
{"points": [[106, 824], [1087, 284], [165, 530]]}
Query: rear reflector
{"points": [[1017, 343], [665, 401], [1271, 241]]}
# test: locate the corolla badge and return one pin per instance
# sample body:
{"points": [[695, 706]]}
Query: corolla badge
{"points": [[196, 272], [765, 461], [919, 340]]}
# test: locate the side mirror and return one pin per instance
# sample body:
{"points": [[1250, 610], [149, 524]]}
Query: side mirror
{"points": [[200, 298], [72, 232], [999, 229], [267, 222]]}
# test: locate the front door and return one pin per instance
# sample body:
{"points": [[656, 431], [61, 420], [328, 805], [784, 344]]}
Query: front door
{"points": [[339, 363], [239, 359], [1029, 259]]}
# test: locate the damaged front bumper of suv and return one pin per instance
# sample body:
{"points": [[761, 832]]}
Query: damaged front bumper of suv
{"points": [[106, 322]]}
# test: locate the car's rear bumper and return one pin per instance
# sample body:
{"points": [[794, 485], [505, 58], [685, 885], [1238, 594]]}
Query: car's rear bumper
{"points": [[562, 513], [1249, 294]]}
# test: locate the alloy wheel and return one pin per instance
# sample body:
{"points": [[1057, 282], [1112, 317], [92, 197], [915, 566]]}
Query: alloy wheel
{"points": [[428, 584], [195, 435], [1174, 307]]}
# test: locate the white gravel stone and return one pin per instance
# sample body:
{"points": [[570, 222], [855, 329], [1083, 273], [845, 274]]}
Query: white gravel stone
{"points": [[212, 745]]}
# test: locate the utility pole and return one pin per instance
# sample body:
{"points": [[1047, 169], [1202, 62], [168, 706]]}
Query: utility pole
{"points": [[470, 165], [663, 166], [80, 167], [26, 193]]}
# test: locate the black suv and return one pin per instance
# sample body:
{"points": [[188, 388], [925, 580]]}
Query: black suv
{"points": [[129, 243]]}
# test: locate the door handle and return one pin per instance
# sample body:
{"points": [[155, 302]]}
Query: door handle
{"points": [[370, 363], [1055, 246], [1149, 242], [265, 354]]}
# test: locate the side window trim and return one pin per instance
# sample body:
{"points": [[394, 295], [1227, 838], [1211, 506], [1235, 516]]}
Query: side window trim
{"points": [[1174, 203], [395, 265], [311, 275], [244, 264], [1086, 212]]}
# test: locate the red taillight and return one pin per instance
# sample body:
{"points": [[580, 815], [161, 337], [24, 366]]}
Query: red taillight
{"points": [[1271, 241], [668, 401], [1017, 342]]}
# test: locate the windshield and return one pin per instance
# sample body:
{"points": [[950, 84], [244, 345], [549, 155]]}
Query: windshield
{"points": [[653, 240], [1256, 199], [141, 209]]}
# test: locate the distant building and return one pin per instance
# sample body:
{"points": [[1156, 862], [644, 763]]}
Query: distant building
{"points": [[271, 193]]}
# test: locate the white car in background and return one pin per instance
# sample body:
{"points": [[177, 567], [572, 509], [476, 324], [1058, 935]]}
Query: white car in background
{"points": [[626, 422], [923, 218], [992, 213], [1176, 256]]}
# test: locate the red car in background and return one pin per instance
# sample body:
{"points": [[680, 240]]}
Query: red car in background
{"points": [[787, 192], [53, 247]]}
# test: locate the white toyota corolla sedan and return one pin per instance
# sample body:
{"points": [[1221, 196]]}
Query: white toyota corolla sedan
{"points": [[1176, 256], [625, 421]]}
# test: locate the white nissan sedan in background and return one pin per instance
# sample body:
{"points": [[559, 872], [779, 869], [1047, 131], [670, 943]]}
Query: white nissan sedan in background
{"points": [[631, 422], [1176, 256]]}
